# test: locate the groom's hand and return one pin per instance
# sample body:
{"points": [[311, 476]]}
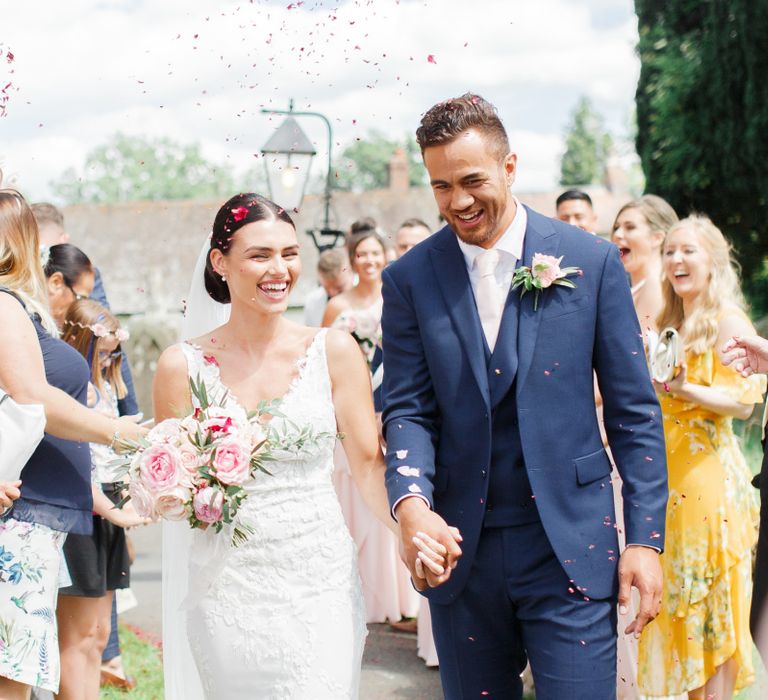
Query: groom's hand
{"points": [[640, 567], [417, 520]]}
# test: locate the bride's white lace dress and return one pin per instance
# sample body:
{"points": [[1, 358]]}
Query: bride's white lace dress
{"points": [[282, 615]]}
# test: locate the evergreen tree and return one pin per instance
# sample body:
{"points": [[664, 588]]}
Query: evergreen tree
{"points": [[702, 109], [587, 146]]}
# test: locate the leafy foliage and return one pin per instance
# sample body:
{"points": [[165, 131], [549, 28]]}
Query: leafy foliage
{"points": [[129, 168], [364, 163], [702, 112], [587, 147]]}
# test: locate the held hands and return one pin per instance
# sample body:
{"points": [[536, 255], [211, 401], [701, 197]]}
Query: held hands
{"points": [[429, 546], [748, 354], [640, 567]]}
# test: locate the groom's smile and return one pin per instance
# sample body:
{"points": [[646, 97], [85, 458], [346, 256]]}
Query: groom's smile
{"points": [[470, 179]]}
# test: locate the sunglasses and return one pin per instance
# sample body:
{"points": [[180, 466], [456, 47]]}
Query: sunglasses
{"points": [[78, 296]]}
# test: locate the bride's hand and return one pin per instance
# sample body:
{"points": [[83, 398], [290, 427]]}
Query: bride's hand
{"points": [[432, 554]]}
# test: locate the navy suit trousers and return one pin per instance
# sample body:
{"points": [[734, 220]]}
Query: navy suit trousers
{"points": [[518, 603]]}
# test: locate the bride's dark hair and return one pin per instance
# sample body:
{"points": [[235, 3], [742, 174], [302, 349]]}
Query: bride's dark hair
{"points": [[242, 209]]}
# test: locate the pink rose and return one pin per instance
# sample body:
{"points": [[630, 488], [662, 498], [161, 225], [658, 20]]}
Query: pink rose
{"points": [[191, 461], [220, 421], [231, 464], [160, 468], [546, 268], [168, 430], [141, 499], [208, 504], [171, 505]]}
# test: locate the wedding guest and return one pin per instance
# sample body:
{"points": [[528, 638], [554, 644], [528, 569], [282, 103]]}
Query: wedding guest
{"points": [[410, 233], [69, 276], [386, 586], [50, 222], [335, 276], [574, 207], [749, 355], [638, 231], [700, 641], [97, 563], [36, 367]]}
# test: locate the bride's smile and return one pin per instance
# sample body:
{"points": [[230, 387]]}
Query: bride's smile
{"points": [[262, 264]]}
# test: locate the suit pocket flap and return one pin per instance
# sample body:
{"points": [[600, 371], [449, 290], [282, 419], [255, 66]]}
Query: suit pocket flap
{"points": [[592, 467]]}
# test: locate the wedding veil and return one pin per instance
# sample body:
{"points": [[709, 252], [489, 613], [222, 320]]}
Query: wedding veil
{"points": [[182, 682]]}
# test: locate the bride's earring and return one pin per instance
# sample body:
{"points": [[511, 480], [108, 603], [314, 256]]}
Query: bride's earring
{"points": [[223, 278]]}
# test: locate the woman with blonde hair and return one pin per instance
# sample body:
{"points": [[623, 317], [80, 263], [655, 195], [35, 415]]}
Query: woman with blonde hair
{"points": [[38, 368], [639, 231], [700, 642]]}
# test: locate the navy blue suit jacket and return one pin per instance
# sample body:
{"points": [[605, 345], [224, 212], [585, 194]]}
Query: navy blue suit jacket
{"points": [[439, 394]]}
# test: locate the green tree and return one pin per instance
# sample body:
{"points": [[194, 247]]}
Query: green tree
{"points": [[702, 112], [140, 168], [587, 147], [363, 164]]}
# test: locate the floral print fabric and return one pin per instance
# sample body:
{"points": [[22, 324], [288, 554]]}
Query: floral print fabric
{"points": [[712, 518], [30, 557]]}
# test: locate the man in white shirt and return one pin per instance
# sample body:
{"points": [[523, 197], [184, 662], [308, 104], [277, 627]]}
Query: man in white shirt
{"points": [[335, 276]]}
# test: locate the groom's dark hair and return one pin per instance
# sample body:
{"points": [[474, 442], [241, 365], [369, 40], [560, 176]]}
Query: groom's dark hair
{"points": [[235, 213], [446, 120]]}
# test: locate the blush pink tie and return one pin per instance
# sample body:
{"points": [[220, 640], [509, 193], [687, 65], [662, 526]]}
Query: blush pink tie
{"points": [[489, 297]]}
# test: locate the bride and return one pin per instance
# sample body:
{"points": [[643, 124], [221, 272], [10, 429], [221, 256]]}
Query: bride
{"points": [[282, 615]]}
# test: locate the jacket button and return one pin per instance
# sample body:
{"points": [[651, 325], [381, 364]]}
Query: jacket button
{"points": [[483, 472], [497, 371]]}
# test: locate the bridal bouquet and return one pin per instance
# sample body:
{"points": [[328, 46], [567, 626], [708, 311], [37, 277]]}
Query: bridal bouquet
{"points": [[196, 468], [365, 329]]}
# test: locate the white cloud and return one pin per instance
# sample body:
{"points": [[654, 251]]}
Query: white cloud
{"points": [[202, 70]]}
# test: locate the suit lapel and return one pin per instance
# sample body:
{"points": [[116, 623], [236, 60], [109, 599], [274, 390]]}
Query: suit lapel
{"points": [[540, 237], [453, 280]]}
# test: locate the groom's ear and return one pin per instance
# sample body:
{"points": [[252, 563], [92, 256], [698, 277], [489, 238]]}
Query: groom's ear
{"points": [[510, 167]]}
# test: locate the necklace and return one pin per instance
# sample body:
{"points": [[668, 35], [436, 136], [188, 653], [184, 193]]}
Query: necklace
{"points": [[637, 287]]}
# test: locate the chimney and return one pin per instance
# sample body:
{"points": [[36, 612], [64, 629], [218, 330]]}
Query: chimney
{"points": [[398, 171]]}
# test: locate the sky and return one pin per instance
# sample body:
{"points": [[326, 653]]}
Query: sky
{"points": [[201, 71]]}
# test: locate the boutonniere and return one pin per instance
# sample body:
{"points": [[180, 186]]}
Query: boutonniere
{"points": [[544, 271]]}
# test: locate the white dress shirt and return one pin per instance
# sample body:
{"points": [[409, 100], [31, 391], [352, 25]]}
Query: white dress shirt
{"points": [[510, 247]]}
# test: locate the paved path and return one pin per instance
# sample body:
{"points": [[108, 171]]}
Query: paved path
{"points": [[391, 669]]}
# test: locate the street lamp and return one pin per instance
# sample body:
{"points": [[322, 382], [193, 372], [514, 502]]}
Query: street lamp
{"points": [[287, 156]]}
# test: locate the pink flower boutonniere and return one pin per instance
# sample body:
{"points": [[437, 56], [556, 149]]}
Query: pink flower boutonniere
{"points": [[544, 271]]}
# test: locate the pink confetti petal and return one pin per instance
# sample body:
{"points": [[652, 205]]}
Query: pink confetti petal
{"points": [[431, 59]]}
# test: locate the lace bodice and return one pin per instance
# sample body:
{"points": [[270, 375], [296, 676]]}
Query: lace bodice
{"points": [[279, 606]]}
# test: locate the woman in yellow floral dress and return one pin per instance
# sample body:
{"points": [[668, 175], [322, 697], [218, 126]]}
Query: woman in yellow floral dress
{"points": [[700, 642]]}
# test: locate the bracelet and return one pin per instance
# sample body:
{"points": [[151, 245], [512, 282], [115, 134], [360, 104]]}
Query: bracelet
{"points": [[115, 439]]}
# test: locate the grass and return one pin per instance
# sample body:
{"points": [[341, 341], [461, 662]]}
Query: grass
{"points": [[143, 662]]}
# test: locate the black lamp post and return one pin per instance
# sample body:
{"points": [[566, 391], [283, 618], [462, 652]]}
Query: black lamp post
{"points": [[287, 156]]}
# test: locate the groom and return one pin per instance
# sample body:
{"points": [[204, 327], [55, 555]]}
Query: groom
{"points": [[489, 414]]}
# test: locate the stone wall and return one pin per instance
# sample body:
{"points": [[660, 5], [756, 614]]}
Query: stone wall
{"points": [[146, 251]]}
